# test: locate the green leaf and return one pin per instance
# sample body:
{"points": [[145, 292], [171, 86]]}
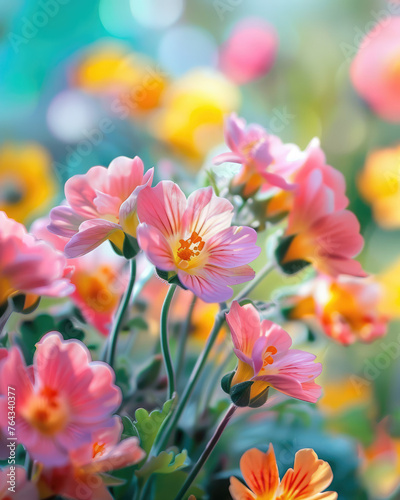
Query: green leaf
{"points": [[109, 480], [116, 249], [260, 399], [149, 374], [130, 247], [240, 393], [148, 425], [128, 430], [227, 381], [138, 322], [293, 266], [18, 304], [172, 483], [164, 463]]}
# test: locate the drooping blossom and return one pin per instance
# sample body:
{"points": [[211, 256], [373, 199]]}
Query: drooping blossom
{"points": [[346, 308], [265, 358], [380, 50], [379, 186], [193, 239], [100, 205], [29, 266], [99, 277], [263, 156], [319, 233], [22, 490], [307, 480], [61, 401], [82, 478], [250, 51]]}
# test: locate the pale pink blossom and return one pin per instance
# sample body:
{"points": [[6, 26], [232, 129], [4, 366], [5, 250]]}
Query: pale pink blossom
{"points": [[250, 51], [27, 265], [375, 70], [23, 489], [61, 400], [82, 478], [193, 239], [263, 156], [265, 358], [100, 205]]}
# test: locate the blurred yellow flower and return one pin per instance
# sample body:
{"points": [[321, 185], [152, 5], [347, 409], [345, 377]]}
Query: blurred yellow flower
{"points": [[136, 82], [191, 121], [344, 394], [27, 183], [379, 184], [390, 282]]}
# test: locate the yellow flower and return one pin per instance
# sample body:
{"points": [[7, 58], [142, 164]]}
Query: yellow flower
{"points": [[389, 279], [379, 185], [191, 121], [27, 183]]}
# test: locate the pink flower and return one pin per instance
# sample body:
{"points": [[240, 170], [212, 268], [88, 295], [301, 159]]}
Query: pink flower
{"points": [[61, 400], [319, 233], [193, 238], [24, 489], [250, 52], [82, 478], [265, 358], [99, 279], [380, 87], [27, 265], [101, 205], [264, 158]]}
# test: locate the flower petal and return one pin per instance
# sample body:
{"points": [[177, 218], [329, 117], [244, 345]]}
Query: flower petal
{"points": [[91, 234], [244, 324], [156, 247], [260, 472]]}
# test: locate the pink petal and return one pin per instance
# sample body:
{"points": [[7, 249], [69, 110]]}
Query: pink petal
{"points": [[156, 247], [91, 234], [244, 324], [129, 206], [64, 221], [125, 175], [80, 191], [227, 158]]}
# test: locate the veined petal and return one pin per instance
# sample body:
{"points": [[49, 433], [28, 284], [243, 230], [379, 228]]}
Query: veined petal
{"points": [[309, 391], [239, 491], [124, 175], [91, 234], [234, 131], [227, 158], [80, 191], [162, 207], [64, 221], [260, 472], [244, 324], [232, 247], [153, 243]]}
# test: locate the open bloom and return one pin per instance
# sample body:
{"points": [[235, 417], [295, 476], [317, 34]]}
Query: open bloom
{"points": [[306, 481], [61, 401], [99, 279], [265, 358], [263, 156], [29, 266], [101, 205], [193, 238], [380, 50], [82, 479], [346, 308], [23, 488], [250, 51], [319, 233]]}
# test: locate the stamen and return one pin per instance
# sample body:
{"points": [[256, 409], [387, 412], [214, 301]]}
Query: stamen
{"points": [[269, 352], [191, 247]]}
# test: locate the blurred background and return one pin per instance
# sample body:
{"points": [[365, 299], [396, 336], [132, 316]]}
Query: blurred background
{"points": [[82, 82]]}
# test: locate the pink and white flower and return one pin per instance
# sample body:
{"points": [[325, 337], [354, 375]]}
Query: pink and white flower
{"points": [[82, 478], [265, 358], [100, 205], [29, 266], [263, 156], [193, 239], [62, 399]]}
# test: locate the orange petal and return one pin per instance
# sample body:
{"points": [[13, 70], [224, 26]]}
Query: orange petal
{"points": [[239, 491], [308, 479], [260, 472]]}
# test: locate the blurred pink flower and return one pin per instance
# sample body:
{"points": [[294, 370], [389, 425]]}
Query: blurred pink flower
{"points": [[250, 51], [193, 238], [61, 400], [100, 278], [319, 233], [101, 205], [264, 357], [81, 479], [23, 489], [375, 70], [263, 156], [27, 265]]}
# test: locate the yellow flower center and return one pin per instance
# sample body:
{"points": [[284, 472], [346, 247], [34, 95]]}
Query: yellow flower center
{"points": [[191, 247], [269, 352], [47, 411], [98, 449]]}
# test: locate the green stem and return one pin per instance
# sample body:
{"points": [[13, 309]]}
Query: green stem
{"points": [[109, 354], [164, 341], [183, 338], [193, 378], [28, 466], [206, 453], [255, 282]]}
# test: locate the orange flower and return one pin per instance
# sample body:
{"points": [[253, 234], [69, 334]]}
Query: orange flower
{"points": [[306, 481]]}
